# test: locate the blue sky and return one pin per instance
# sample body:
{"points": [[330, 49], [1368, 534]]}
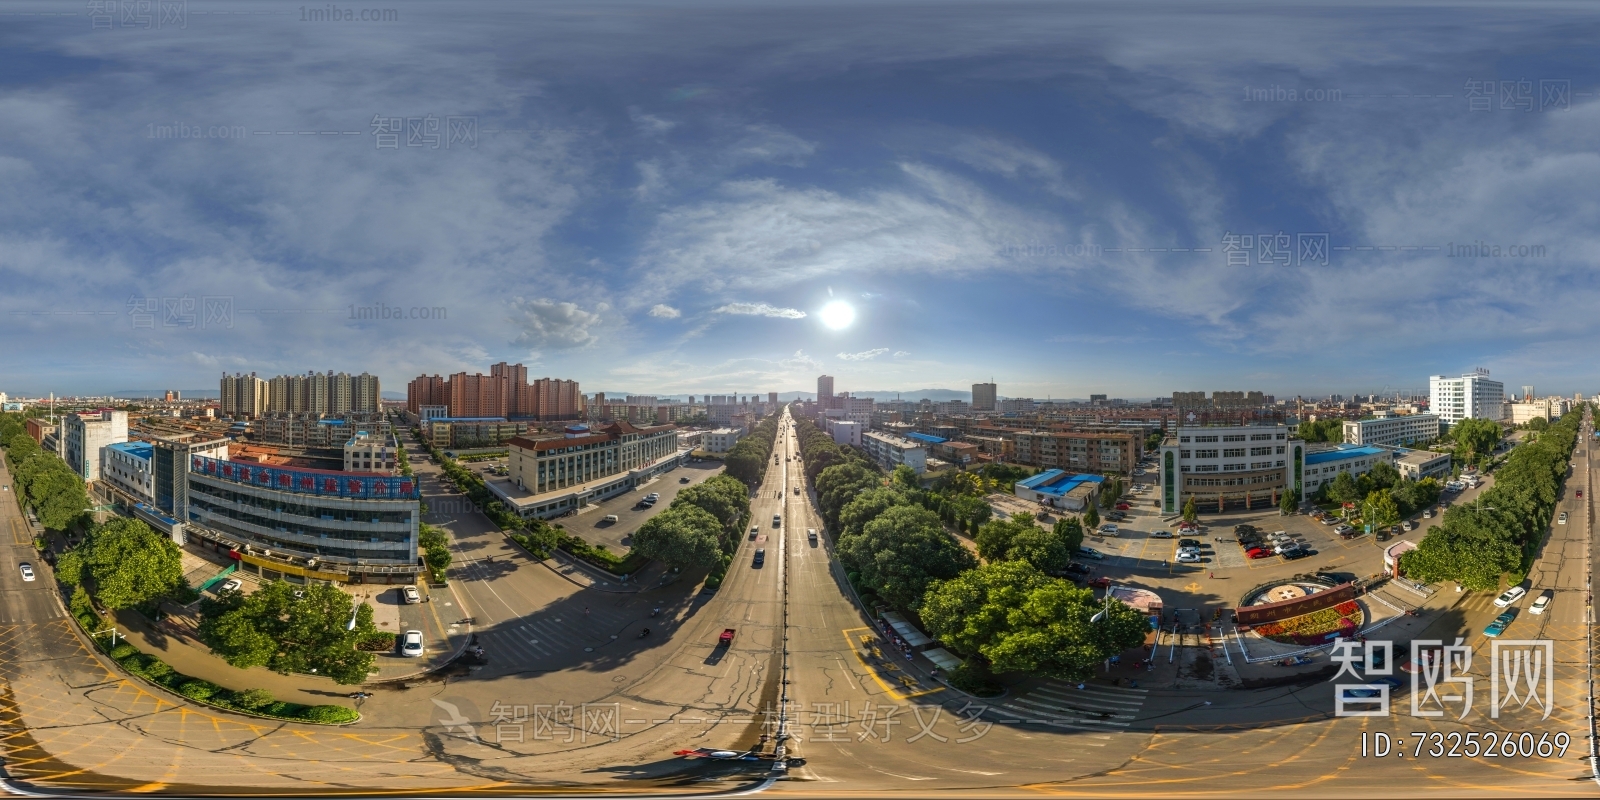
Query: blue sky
{"points": [[661, 197]]}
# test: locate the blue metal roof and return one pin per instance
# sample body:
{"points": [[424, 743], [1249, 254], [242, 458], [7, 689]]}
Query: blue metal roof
{"points": [[1342, 453], [468, 419], [1056, 482], [141, 450], [926, 438]]}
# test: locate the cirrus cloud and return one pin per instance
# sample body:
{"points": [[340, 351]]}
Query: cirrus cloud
{"points": [[761, 310], [864, 355], [664, 311]]}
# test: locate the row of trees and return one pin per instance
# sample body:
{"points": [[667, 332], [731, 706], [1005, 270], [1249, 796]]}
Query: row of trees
{"points": [[44, 482], [1381, 488], [1475, 439], [1322, 430], [700, 529], [126, 564], [1475, 544], [748, 459]]}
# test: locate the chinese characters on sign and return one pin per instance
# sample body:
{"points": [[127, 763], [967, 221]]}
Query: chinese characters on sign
{"points": [[1301, 249], [1518, 95], [182, 312], [142, 14]]}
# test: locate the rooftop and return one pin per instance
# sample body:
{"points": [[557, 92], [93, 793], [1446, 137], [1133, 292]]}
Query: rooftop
{"points": [[135, 449], [1057, 482], [926, 438], [1343, 452]]}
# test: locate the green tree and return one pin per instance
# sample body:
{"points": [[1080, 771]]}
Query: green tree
{"points": [[682, 536], [905, 478], [901, 551], [1538, 424], [1289, 501], [1046, 550], [1189, 512], [995, 537], [1477, 437], [867, 506], [1071, 532], [1091, 518], [1379, 509], [1021, 620], [131, 564], [1383, 475], [273, 628], [1343, 489]]}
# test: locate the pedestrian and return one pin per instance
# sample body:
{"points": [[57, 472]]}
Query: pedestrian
{"points": [[1080, 686], [586, 611], [1211, 574]]}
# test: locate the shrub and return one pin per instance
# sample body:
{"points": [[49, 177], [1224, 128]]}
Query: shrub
{"points": [[379, 642], [253, 699], [196, 689], [974, 677], [122, 651], [155, 669], [329, 714], [281, 709]]}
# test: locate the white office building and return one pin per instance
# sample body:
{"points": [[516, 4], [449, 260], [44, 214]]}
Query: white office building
{"points": [[1392, 429], [85, 435], [891, 451], [1229, 466], [845, 431], [721, 440], [1471, 396], [365, 452]]}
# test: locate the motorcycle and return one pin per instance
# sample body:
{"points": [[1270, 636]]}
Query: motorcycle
{"points": [[644, 633], [655, 611], [1295, 662]]}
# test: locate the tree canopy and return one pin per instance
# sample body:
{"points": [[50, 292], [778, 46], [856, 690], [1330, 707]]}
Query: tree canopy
{"points": [[900, 552], [683, 536], [271, 627], [128, 563]]}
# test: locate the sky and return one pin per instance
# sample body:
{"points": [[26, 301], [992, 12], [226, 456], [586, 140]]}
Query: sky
{"points": [[1066, 198]]}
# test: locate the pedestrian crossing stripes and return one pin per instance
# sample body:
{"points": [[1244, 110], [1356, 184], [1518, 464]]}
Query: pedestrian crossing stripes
{"points": [[1102, 710], [13, 617], [537, 637]]}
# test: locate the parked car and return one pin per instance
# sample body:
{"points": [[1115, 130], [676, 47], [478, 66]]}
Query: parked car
{"points": [[1330, 520], [231, 585], [1188, 556], [1408, 525], [1160, 533], [1427, 513], [1090, 552], [411, 644], [1108, 530], [1297, 554], [1257, 552], [1124, 506], [410, 595], [684, 479], [1075, 568], [1195, 543], [1541, 604], [1499, 625], [1509, 596], [609, 518]]}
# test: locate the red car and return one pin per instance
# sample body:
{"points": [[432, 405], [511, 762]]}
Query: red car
{"points": [[1580, 492], [1129, 506], [1257, 552]]}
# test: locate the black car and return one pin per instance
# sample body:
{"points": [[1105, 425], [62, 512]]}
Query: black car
{"points": [[761, 557], [1245, 529], [1292, 555], [1189, 543], [1079, 569]]}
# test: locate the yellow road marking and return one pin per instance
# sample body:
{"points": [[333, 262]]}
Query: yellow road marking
{"points": [[870, 641]]}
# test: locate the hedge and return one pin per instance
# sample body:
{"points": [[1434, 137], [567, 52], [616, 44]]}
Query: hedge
{"points": [[250, 701]]}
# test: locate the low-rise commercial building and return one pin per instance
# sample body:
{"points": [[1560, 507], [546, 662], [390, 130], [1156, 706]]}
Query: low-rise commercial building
{"points": [[549, 477], [125, 466], [39, 429], [1394, 430], [844, 431], [1229, 466], [1418, 464], [1323, 466], [367, 453], [891, 451], [721, 440], [1060, 489], [307, 429], [305, 524]]}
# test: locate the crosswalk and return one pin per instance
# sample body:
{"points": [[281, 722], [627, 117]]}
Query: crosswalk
{"points": [[14, 616], [1103, 711]]}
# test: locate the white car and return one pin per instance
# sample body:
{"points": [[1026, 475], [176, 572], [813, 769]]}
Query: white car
{"points": [[1188, 558], [27, 571], [1562, 520], [232, 585], [609, 518], [411, 644], [1090, 552], [1541, 604], [411, 595], [1510, 596], [1108, 529]]}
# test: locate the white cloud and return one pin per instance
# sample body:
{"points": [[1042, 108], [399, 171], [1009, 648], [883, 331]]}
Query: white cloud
{"points": [[664, 311], [549, 324], [801, 362], [761, 310], [864, 355], [901, 353], [650, 124]]}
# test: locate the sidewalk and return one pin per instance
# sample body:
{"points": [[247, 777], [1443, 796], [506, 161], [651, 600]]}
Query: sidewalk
{"points": [[652, 576]]}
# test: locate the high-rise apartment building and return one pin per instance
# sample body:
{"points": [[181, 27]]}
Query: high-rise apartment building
{"points": [[504, 392], [772, 399], [244, 396], [824, 389], [1471, 396], [311, 393], [984, 397]]}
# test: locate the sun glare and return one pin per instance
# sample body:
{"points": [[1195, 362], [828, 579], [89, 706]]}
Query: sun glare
{"points": [[838, 314]]}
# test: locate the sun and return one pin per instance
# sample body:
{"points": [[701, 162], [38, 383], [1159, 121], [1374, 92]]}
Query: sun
{"points": [[838, 315]]}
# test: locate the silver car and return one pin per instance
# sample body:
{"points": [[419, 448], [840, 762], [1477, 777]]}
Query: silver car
{"points": [[411, 644]]}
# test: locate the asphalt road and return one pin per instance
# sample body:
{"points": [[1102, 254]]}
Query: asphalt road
{"points": [[562, 702]]}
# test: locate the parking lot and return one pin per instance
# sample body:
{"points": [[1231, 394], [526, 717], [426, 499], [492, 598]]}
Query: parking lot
{"points": [[590, 524]]}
